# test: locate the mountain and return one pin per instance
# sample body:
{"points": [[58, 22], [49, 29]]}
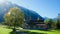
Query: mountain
{"points": [[5, 6], [58, 17]]}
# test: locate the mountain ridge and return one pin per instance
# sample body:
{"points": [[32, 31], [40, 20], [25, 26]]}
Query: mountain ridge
{"points": [[4, 8]]}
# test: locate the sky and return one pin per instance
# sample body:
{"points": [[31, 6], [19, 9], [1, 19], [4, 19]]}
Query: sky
{"points": [[45, 8]]}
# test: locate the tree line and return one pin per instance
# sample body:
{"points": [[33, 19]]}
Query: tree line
{"points": [[55, 24]]}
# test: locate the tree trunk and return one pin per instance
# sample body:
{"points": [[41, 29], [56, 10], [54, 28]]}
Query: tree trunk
{"points": [[14, 29]]}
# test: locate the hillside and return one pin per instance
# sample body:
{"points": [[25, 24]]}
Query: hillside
{"points": [[28, 14]]}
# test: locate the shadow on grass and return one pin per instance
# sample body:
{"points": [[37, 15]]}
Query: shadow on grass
{"points": [[13, 32], [28, 32], [25, 32]]}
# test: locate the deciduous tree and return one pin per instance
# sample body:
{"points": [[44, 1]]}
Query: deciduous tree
{"points": [[15, 17]]}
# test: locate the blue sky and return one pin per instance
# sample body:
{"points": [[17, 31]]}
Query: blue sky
{"points": [[46, 8]]}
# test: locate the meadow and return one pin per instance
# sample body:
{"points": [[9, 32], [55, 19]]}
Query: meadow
{"points": [[5, 30]]}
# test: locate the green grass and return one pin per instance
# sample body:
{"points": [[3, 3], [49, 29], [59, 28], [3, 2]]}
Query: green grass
{"points": [[44, 32], [4, 30], [47, 32]]}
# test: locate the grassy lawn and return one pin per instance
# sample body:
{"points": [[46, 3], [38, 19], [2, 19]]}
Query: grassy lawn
{"points": [[4, 30], [47, 32]]}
